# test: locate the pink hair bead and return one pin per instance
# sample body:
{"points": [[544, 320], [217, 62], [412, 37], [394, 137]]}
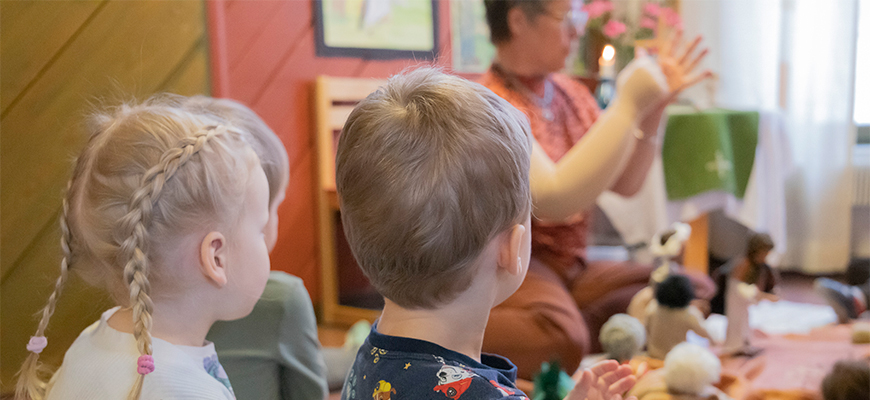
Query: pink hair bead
{"points": [[146, 364], [37, 344]]}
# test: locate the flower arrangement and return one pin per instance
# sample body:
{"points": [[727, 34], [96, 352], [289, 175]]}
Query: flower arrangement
{"points": [[604, 27]]}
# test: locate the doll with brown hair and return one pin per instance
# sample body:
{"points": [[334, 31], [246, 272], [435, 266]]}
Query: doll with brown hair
{"points": [[753, 269], [749, 281]]}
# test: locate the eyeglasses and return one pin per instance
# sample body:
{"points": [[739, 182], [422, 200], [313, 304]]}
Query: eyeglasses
{"points": [[573, 18]]}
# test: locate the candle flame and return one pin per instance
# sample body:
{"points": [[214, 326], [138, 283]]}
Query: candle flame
{"points": [[608, 53]]}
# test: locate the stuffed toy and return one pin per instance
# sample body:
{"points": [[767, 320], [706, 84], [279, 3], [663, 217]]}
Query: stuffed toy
{"points": [[551, 383], [689, 373], [673, 317], [622, 337], [667, 248]]}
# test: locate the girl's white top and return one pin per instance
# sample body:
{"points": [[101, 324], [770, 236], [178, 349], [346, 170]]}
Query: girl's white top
{"points": [[102, 362]]}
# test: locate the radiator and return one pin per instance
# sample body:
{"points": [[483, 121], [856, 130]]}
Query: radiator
{"points": [[861, 190], [861, 173]]}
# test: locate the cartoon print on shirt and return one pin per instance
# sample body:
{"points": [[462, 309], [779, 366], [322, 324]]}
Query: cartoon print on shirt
{"points": [[214, 368], [350, 387], [505, 391], [453, 381], [377, 353], [383, 391]]}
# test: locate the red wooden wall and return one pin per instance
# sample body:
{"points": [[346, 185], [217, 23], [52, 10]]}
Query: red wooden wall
{"points": [[263, 55]]}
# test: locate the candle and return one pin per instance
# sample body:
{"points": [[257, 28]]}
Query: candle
{"points": [[607, 63]]}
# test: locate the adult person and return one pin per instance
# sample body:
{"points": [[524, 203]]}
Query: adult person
{"points": [[565, 299]]}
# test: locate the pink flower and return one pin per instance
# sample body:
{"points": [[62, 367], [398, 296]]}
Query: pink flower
{"points": [[597, 8], [672, 18], [649, 23], [652, 9], [613, 28]]}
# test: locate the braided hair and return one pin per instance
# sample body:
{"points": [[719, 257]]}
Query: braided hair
{"points": [[149, 173]]}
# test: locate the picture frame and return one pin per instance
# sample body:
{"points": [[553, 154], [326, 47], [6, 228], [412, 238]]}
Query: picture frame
{"points": [[472, 50], [376, 29]]}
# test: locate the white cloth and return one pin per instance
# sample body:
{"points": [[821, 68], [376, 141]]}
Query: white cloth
{"points": [[762, 208], [821, 87], [101, 364], [798, 56]]}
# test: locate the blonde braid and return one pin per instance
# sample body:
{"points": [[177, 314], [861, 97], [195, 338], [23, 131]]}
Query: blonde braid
{"points": [[30, 383], [134, 248]]}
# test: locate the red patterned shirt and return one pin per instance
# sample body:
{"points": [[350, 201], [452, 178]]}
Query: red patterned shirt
{"points": [[573, 110]]}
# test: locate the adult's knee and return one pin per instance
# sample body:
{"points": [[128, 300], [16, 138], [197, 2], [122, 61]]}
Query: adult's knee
{"points": [[531, 337]]}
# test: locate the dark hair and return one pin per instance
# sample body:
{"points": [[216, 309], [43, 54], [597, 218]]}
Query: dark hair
{"points": [[497, 16], [758, 243], [848, 380], [675, 291]]}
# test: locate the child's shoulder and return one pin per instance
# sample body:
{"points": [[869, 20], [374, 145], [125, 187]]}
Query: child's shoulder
{"points": [[385, 372], [101, 363], [284, 291]]}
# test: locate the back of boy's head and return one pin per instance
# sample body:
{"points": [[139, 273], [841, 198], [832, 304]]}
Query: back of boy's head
{"points": [[267, 145], [675, 291], [149, 174], [429, 169], [848, 380]]}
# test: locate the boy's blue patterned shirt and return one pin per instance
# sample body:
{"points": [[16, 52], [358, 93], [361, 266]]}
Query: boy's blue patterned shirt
{"points": [[390, 367]]}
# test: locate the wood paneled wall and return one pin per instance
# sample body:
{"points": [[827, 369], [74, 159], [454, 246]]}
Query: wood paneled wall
{"points": [[271, 65], [59, 58]]}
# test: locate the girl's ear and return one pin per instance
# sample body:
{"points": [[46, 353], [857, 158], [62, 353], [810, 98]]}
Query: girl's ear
{"points": [[510, 253], [213, 258]]}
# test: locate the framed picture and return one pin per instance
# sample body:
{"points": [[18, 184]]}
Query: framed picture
{"points": [[376, 29], [472, 51]]}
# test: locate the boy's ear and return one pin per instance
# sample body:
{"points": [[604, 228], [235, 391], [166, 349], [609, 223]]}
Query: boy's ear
{"points": [[510, 257], [213, 258]]}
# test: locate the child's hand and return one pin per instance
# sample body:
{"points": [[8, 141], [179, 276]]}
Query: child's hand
{"points": [[606, 380]]}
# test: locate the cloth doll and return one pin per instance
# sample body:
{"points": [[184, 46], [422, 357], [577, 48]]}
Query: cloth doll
{"points": [[689, 373], [673, 317], [750, 280], [667, 248]]}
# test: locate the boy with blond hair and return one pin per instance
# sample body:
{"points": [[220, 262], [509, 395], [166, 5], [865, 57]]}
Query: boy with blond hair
{"points": [[433, 176]]}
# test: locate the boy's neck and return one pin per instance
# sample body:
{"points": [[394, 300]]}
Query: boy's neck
{"points": [[458, 326]]}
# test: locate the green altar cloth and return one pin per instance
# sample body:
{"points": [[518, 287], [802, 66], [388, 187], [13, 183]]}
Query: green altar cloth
{"points": [[708, 150]]}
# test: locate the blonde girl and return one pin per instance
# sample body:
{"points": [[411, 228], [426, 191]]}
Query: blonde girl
{"points": [[285, 361], [167, 210]]}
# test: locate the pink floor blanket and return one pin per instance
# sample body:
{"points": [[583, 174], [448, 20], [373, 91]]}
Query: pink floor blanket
{"points": [[793, 366]]}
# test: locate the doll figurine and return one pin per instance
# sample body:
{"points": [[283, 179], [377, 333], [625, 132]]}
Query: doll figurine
{"points": [[667, 248], [750, 280], [673, 317]]}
